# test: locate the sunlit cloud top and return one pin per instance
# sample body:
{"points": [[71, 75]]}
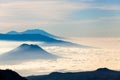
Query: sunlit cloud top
{"points": [[62, 17]]}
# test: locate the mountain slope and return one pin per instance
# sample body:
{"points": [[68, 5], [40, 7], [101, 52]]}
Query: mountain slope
{"points": [[37, 37], [40, 36], [26, 52], [34, 31], [27, 37], [100, 74]]}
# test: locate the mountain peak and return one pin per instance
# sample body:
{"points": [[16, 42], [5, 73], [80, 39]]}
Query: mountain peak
{"points": [[26, 52], [35, 50], [34, 31], [13, 32], [30, 46], [103, 69], [24, 45]]}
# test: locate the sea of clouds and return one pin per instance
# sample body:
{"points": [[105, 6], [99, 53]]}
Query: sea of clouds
{"points": [[71, 59]]}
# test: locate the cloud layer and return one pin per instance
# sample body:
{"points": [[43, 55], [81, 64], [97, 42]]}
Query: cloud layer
{"points": [[73, 58]]}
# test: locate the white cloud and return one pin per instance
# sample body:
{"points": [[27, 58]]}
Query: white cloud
{"points": [[109, 7], [113, 19], [72, 58], [31, 13], [41, 9]]}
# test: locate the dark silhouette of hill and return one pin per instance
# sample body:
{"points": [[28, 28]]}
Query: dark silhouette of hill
{"points": [[26, 52], [34, 31], [99, 74], [10, 75]]}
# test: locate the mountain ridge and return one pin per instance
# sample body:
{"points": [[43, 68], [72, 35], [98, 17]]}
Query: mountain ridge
{"points": [[99, 74], [26, 52], [34, 31], [32, 35]]}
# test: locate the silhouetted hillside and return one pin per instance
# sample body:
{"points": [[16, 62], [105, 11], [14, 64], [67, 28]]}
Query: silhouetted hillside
{"points": [[10, 75], [100, 74]]}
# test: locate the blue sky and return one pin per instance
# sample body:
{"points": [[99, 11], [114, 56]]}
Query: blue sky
{"points": [[76, 18]]}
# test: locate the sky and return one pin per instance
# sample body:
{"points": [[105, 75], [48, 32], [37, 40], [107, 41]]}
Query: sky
{"points": [[71, 18]]}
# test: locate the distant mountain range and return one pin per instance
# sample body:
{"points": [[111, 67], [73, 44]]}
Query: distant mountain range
{"points": [[26, 52], [30, 35], [38, 35], [10, 75], [99, 74], [34, 31]]}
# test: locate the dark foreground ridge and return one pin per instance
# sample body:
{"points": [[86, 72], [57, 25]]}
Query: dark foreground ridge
{"points": [[10, 75], [99, 74]]}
